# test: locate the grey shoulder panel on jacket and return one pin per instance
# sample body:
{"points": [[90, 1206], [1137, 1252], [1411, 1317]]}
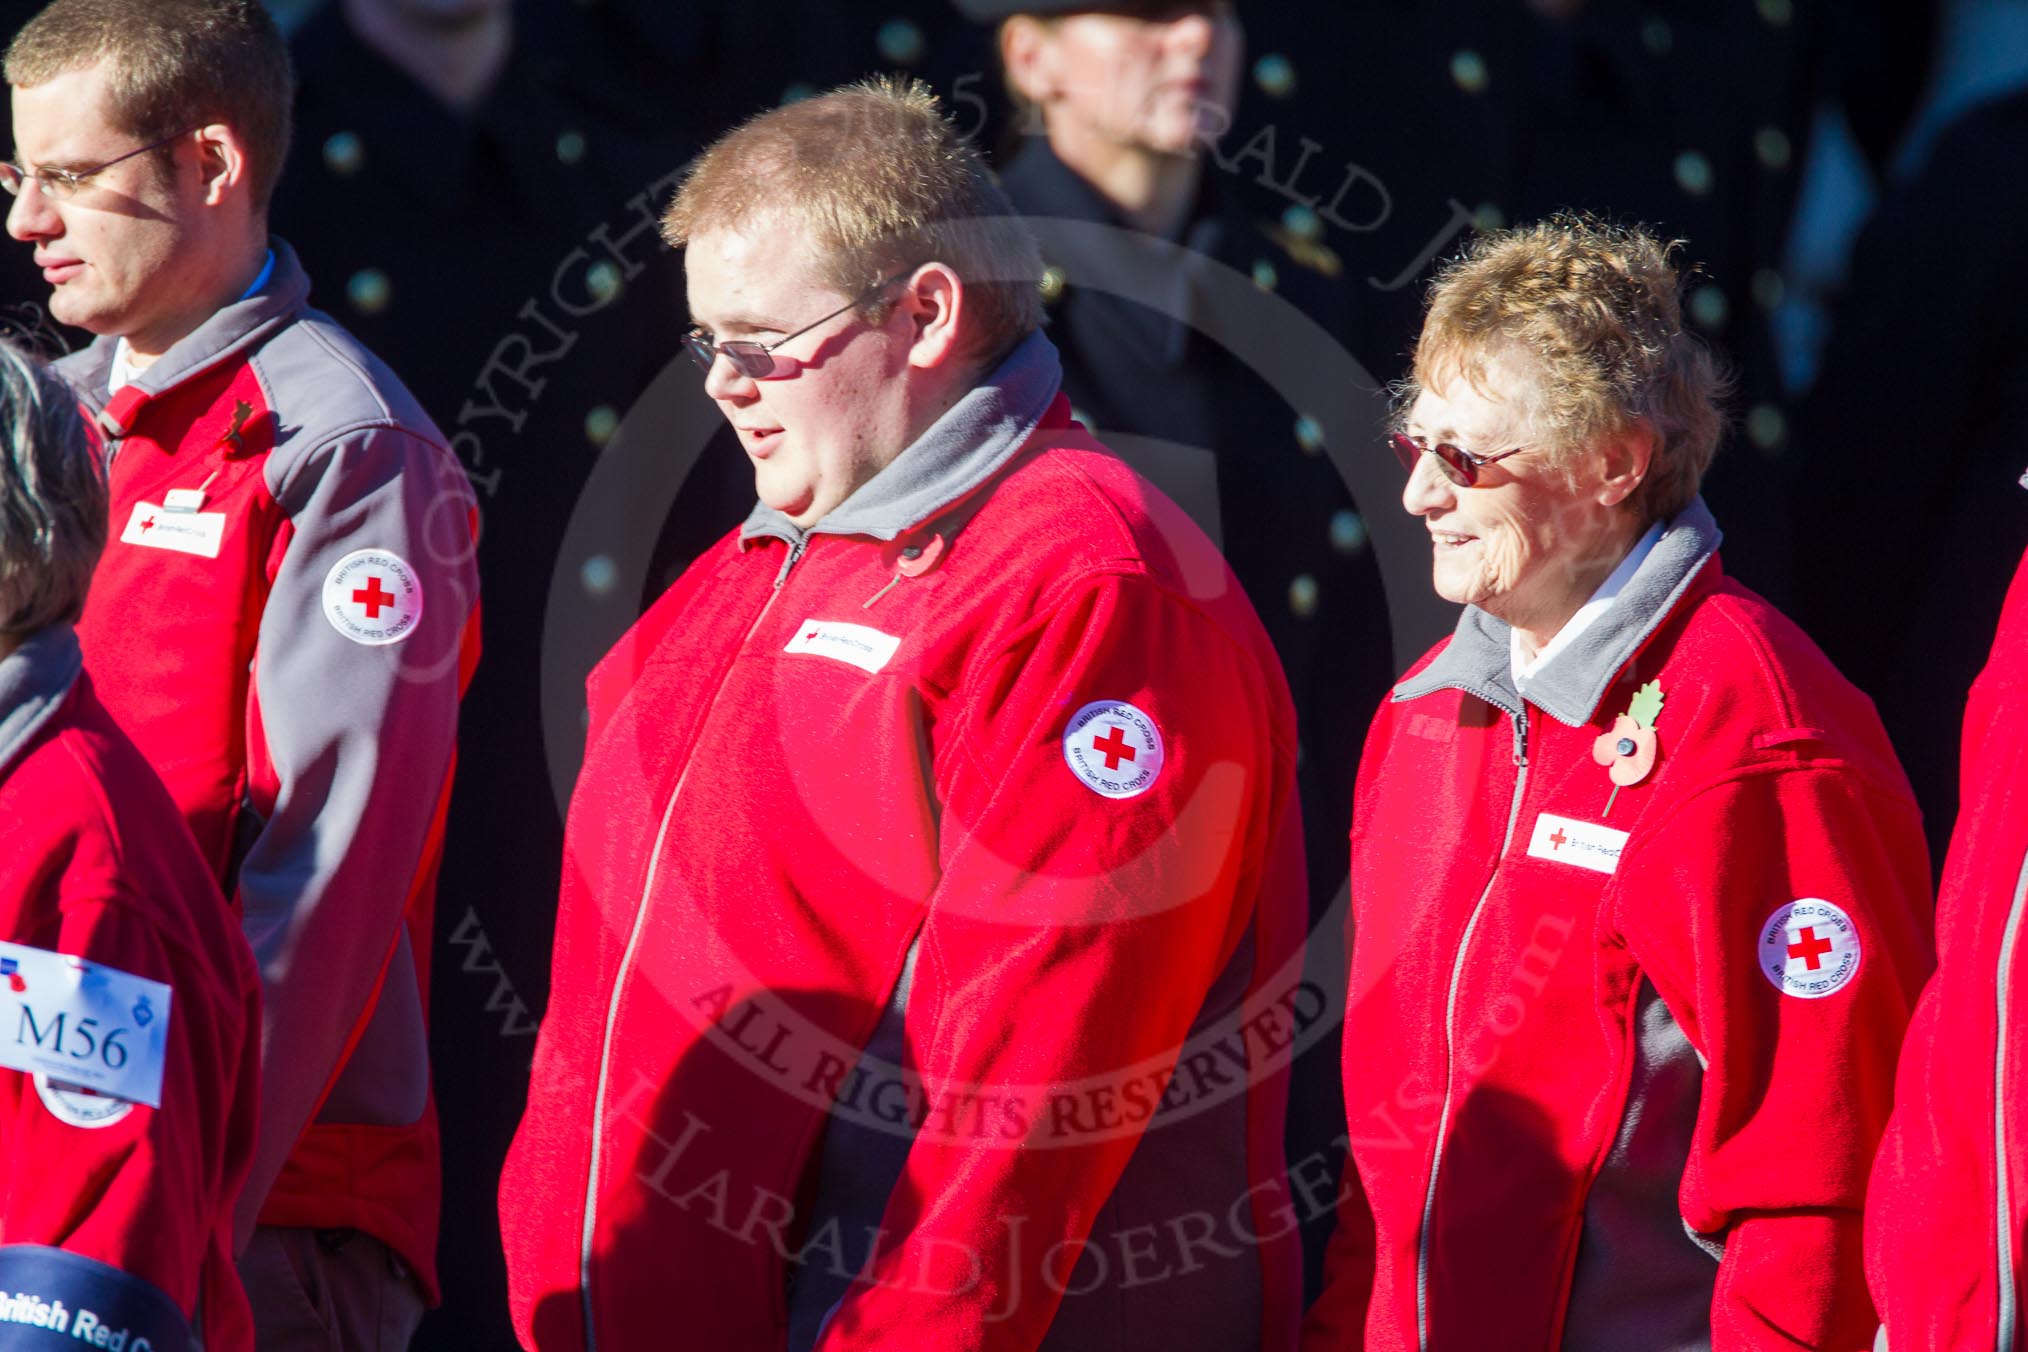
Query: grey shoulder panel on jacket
{"points": [[88, 369], [322, 384]]}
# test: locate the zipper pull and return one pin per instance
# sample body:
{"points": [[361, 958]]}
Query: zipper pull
{"points": [[867, 604], [1521, 738], [795, 552]]}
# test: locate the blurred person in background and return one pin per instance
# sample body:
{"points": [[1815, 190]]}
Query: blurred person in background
{"points": [[1115, 103], [1640, 896], [283, 620], [128, 1094], [1115, 108]]}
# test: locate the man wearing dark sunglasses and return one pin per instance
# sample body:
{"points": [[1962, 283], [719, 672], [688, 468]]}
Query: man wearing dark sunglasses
{"points": [[959, 781], [283, 618]]}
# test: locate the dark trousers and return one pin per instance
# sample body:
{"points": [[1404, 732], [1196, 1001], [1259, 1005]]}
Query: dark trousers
{"points": [[328, 1291]]}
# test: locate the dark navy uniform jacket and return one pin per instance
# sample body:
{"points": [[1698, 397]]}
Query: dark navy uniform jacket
{"points": [[1223, 442]]}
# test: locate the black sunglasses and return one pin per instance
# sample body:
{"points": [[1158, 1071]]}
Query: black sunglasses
{"points": [[756, 361], [1459, 465]]}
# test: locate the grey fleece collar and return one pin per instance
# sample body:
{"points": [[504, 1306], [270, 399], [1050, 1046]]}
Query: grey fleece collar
{"points": [[961, 450], [233, 328], [34, 681], [1569, 686]]}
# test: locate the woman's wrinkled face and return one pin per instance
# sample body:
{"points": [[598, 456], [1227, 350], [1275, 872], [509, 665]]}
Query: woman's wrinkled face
{"points": [[1524, 544]]}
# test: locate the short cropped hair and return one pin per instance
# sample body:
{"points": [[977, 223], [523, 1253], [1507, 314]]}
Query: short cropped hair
{"points": [[882, 181], [52, 498], [175, 63], [1593, 310]]}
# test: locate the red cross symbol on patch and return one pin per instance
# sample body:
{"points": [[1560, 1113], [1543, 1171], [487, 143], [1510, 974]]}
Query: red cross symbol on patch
{"points": [[373, 598], [1559, 840], [149, 524], [1810, 948], [1113, 746]]}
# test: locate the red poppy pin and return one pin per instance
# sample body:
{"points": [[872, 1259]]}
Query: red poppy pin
{"points": [[1628, 749], [241, 411]]}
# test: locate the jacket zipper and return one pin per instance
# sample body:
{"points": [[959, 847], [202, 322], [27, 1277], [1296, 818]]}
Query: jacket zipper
{"points": [[1422, 1246], [2009, 1315], [591, 1187]]}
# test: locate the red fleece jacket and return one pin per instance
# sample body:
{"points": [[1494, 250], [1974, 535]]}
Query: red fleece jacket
{"points": [[1537, 1156], [96, 863], [794, 781]]}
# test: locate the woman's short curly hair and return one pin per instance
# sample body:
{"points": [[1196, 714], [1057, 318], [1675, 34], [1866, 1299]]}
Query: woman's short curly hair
{"points": [[1594, 310]]}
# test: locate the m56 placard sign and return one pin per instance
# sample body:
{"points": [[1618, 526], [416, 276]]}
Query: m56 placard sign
{"points": [[82, 1022]]}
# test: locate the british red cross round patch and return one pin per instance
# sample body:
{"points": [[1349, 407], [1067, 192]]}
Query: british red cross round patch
{"points": [[1809, 949], [78, 1105], [1114, 748], [372, 596]]}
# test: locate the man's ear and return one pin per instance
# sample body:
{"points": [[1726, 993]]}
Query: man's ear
{"points": [[222, 163], [1627, 458], [934, 302], [1028, 55]]}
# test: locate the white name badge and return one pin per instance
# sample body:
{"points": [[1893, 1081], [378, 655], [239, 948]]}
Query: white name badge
{"points": [[82, 1022], [186, 532], [1584, 844], [867, 649]]}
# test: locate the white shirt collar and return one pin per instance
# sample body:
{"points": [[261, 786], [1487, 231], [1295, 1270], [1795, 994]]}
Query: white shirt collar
{"points": [[1587, 614], [124, 370]]}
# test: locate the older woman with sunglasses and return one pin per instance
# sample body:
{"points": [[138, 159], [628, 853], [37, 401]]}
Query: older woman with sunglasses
{"points": [[1641, 901]]}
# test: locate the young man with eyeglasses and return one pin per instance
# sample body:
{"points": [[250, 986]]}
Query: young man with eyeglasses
{"points": [[934, 876], [284, 617]]}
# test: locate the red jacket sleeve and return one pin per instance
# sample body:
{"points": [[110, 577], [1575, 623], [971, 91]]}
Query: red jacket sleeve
{"points": [[1069, 945], [1797, 1085]]}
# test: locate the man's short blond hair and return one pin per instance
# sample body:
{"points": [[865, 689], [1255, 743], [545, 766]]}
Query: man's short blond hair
{"points": [[882, 183], [175, 64], [1592, 310]]}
